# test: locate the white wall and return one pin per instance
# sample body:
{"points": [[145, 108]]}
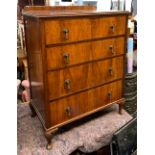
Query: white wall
{"points": [[103, 5]]}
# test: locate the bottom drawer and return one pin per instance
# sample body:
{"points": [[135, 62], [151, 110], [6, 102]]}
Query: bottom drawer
{"points": [[76, 105]]}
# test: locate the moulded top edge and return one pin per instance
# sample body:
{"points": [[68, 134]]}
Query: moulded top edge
{"points": [[79, 13]]}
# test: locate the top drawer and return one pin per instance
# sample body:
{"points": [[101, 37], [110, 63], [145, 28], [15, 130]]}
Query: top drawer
{"points": [[108, 26], [72, 30], [69, 30]]}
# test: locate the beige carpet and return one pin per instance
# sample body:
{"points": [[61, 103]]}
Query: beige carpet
{"points": [[87, 137]]}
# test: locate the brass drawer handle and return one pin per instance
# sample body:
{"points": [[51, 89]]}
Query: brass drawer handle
{"points": [[68, 110], [66, 33], [110, 71], [66, 58], [110, 95], [111, 48], [67, 84], [112, 27]]}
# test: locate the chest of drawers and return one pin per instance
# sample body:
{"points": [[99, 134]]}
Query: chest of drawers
{"points": [[76, 61]]}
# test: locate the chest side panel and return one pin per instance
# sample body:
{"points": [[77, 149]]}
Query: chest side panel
{"points": [[35, 65]]}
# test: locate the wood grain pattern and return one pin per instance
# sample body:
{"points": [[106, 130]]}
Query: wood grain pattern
{"points": [[84, 102], [78, 77], [35, 65], [55, 30], [32, 29], [51, 12], [108, 26], [107, 48], [105, 71], [84, 76], [83, 52], [77, 53]]}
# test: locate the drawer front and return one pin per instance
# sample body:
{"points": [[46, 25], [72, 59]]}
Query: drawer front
{"points": [[76, 105], [67, 81], [108, 26], [69, 30], [106, 94], [77, 78], [107, 48], [106, 71], [62, 56]]}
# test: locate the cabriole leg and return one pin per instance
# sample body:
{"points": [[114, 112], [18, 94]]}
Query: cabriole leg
{"points": [[49, 135]]}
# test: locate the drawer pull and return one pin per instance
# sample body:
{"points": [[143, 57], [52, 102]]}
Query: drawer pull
{"points": [[66, 34], [68, 110], [111, 48], [110, 71], [112, 27], [110, 95], [66, 58], [67, 84]]}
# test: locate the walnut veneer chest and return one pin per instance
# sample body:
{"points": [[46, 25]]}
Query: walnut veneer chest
{"points": [[76, 61]]}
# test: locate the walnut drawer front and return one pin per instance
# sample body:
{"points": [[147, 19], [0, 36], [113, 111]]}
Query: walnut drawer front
{"points": [[63, 56], [108, 26], [74, 79], [68, 30], [106, 71], [66, 81], [71, 30], [76, 105], [107, 48], [68, 55]]}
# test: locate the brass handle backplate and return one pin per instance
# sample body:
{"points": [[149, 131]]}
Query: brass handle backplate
{"points": [[66, 34], [68, 110], [111, 48], [66, 58], [67, 84], [110, 95], [110, 71], [112, 27]]}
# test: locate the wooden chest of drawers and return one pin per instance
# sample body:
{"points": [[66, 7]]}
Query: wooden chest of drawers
{"points": [[76, 58]]}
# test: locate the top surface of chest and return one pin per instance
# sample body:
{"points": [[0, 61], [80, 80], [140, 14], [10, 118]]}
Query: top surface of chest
{"points": [[74, 24], [67, 11]]}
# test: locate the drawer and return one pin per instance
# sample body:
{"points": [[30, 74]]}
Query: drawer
{"points": [[69, 30], [74, 79], [106, 71], [76, 105], [108, 48], [106, 94], [67, 81], [62, 56], [108, 26]]}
